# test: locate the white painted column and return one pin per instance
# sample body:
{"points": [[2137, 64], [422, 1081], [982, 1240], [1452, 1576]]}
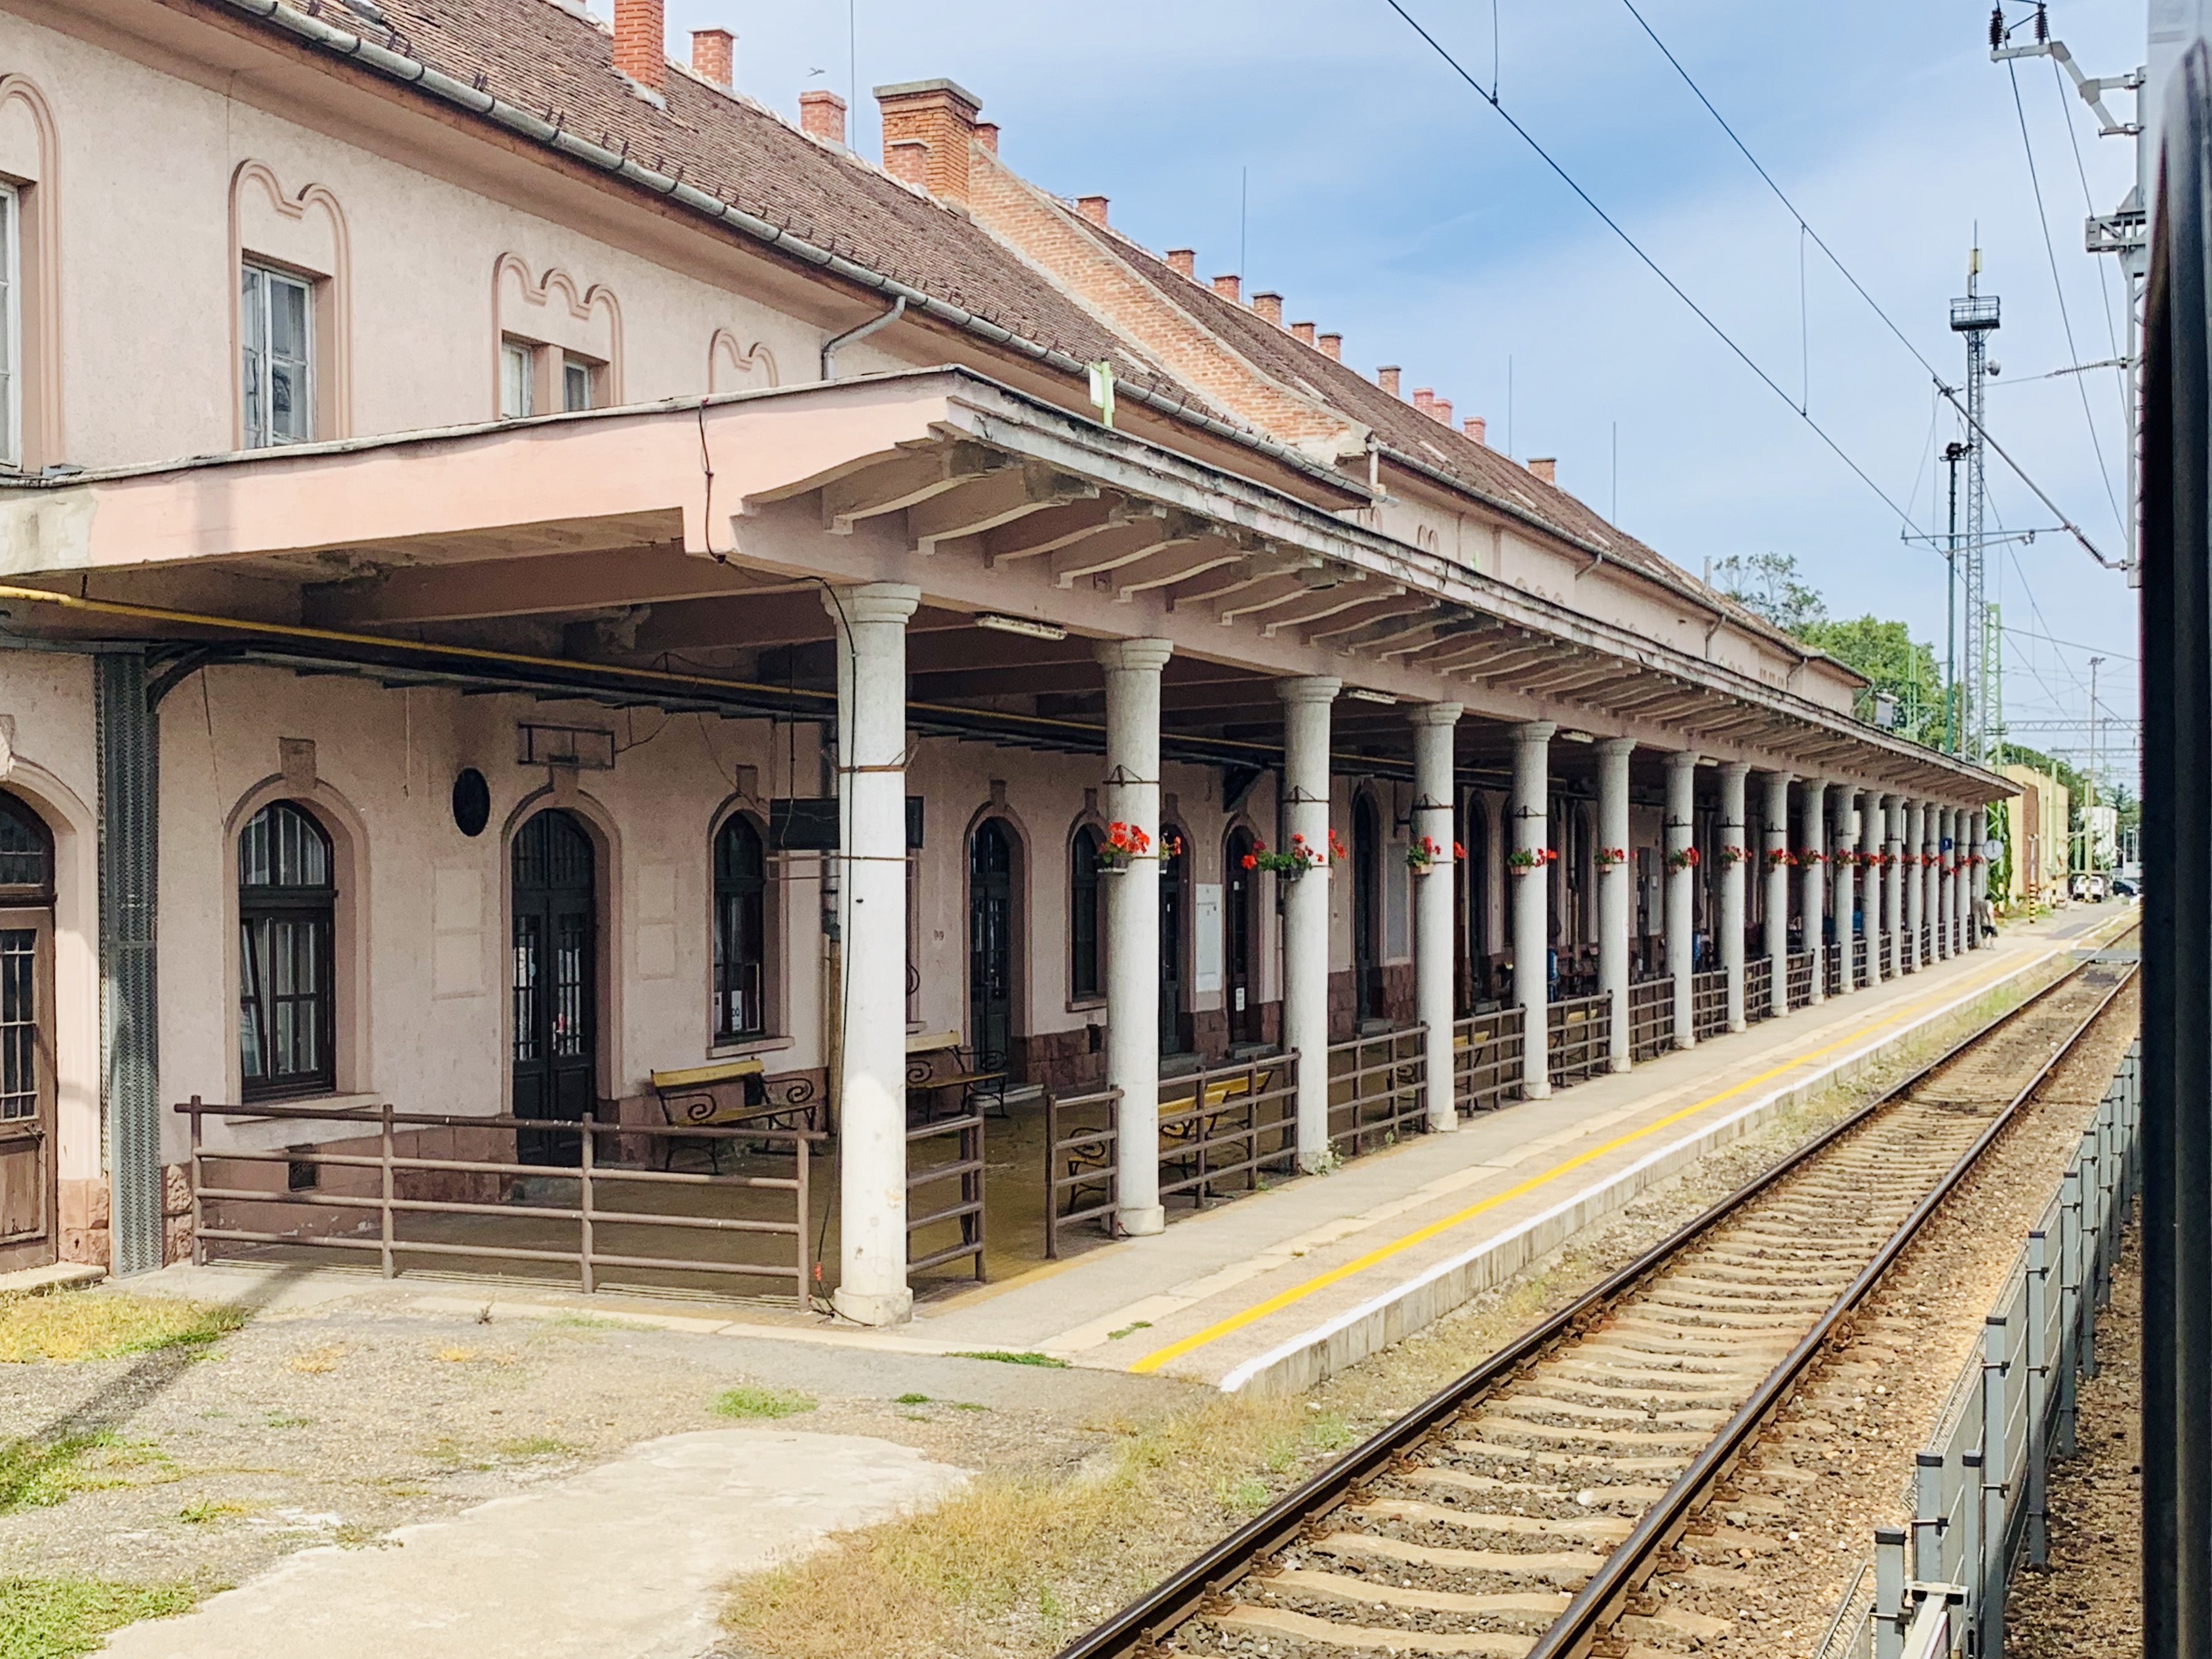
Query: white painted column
{"points": [[1893, 886], [1977, 879], [1931, 878], [870, 624], [1812, 890], [1532, 903], [1132, 924], [1305, 905], [1612, 895], [1681, 835], [1915, 890], [1732, 834], [1777, 890], [1843, 888], [1870, 838], [1946, 899], [1433, 918]]}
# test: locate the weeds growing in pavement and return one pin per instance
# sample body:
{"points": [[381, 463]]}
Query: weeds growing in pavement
{"points": [[105, 1325], [747, 1401], [61, 1617]]}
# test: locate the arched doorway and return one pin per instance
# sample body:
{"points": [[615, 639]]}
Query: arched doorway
{"points": [[1174, 900], [1366, 906], [555, 982], [991, 944], [27, 1237], [1242, 982]]}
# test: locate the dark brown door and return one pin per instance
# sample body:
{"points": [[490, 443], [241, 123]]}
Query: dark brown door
{"points": [[26, 1089], [1242, 921], [555, 982], [991, 945], [1366, 908]]}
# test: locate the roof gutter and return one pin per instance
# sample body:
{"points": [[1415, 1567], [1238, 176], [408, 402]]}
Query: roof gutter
{"points": [[409, 72]]}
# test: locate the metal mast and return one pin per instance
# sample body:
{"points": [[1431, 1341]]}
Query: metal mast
{"points": [[1976, 316]]}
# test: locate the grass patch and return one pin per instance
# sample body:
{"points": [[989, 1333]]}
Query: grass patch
{"points": [[61, 1617], [314, 1362], [279, 1420], [1028, 1550], [209, 1508], [911, 1400], [105, 1325], [536, 1446], [1004, 1358], [1140, 1324], [747, 1402], [37, 1474]]}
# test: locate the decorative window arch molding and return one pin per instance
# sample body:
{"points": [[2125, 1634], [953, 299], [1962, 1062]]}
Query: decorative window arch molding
{"points": [[553, 310], [31, 159], [307, 232], [734, 367]]}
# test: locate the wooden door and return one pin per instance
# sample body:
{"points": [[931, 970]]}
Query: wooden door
{"points": [[991, 945], [1173, 903], [1366, 908], [27, 1225], [555, 982], [1244, 987]]}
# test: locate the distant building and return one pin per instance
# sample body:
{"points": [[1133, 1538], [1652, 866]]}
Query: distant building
{"points": [[2036, 817]]}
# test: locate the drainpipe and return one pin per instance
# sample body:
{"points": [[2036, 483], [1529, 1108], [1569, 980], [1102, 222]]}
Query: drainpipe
{"points": [[829, 346]]}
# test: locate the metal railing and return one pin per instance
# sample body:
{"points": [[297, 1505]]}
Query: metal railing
{"points": [[1377, 1089], [1859, 959], [1578, 1037], [1709, 1004], [1927, 944], [1650, 1018], [1757, 990], [507, 1227], [1831, 967], [1082, 1162], [1487, 1060], [964, 1209], [1799, 978]]}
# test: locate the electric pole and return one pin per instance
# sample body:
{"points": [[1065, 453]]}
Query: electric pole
{"points": [[1976, 316], [1952, 454]]}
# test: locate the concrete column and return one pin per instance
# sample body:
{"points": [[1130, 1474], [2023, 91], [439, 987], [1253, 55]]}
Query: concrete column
{"points": [[1947, 892], [1893, 885], [1870, 839], [1305, 905], [1732, 880], [1681, 898], [1613, 906], [1432, 901], [1812, 890], [871, 624], [1915, 890], [1977, 879], [1843, 891], [1532, 903], [1931, 879], [1777, 890], [1133, 924]]}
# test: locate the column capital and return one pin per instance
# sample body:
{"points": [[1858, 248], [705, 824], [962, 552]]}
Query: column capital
{"points": [[1536, 731], [1735, 771], [1152, 653], [1613, 748], [872, 602], [1683, 761], [1434, 714], [1784, 779], [1312, 688]]}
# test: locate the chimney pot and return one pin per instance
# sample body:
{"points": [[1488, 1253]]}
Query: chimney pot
{"points": [[1545, 467], [907, 162], [1302, 332], [822, 114], [713, 56], [1332, 347], [1478, 429], [1092, 207], [642, 42], [986, 134], [1442, 410], [1269, 306], [1387, 378], [1424, 398], [1230, 288], [1184, 262], [941, 117]]}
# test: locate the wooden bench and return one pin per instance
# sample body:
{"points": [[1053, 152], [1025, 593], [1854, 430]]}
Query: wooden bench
{"points": [[724, 1094], [927, 1052]]}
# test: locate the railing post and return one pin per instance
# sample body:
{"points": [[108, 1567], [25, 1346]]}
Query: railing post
{"points": [[1971, 1547], [1051, 1175], [2091, 1267], [584, 1206], [1927, 1516], [2038, 1395], [384, 1159], [1889, 1615], [803, 1175], [2069, 1356], [1996, 1402], [199, 1246]]}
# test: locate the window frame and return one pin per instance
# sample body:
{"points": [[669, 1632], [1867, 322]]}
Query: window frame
{"points": [[586, 370], [729, 887], [256, 277], [516, 351], [11, 325], [261, 907], [1078, 995]]}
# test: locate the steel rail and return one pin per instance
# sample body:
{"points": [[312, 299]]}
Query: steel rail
{"points": [[1139, 1627]]}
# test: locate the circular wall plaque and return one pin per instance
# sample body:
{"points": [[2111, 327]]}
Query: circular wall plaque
{"points": [[472, 801]]}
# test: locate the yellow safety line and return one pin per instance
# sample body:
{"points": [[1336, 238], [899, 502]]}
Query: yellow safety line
{"points": [[1299, 1292]]}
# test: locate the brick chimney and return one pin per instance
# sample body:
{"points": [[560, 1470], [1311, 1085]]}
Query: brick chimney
{"points": [[714, 56], [1183, 261], [1387, 378], [1230, 288], [986, 134], [907, 162], [1478, 429], [1545, 467], [1442, 410], [642, 42], [1269, 306], [1092, 207], [1303, 332], [1424, 399], [939, 116], [822, 114], [1332, 347]]}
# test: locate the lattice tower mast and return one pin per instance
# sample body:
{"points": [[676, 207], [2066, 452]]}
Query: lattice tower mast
{"points": [[1981, 718]]}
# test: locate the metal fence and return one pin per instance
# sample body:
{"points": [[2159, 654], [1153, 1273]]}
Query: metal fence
{"points": [[369, 1186], [1927, 944], [1377, 1089], [1859, 959], [1978, 1496], [960, 1211], [1709, 1004], [1487, 1057], [1650, 1018], [1831, 966], [1578, 1037], [1800, 979], [1757, 990]]}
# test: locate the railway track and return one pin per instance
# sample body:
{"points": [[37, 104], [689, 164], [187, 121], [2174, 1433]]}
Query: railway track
{"points": [[1513, 1515]]}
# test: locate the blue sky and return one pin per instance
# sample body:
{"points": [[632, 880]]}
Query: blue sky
{"points": [[1388, 201]]}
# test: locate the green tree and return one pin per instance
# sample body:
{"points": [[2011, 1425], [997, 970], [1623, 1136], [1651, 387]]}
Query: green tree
{"points": [[1771, 585], [1897, 664]]}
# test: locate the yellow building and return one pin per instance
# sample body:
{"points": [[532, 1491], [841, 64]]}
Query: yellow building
{"points": [[2037, 818]]}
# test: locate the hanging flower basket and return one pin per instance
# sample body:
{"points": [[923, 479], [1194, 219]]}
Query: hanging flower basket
{"points": [[1781, 858], [1844, 857], [1810, 859], [1731, 857], [1421, 855], [1289, 864], [1525, 859], [1683, 858], [1125, 845], [1611, 857]]}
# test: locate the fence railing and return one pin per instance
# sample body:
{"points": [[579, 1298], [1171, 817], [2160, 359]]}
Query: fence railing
{"points": [[1487, 1060], [1578, 1037], [373, 1167], [961, 1208], [1709, 1004], [1757, 990], [1800, 979], [1832, 967], [1859, 959], [1082, 1162], [1927, 944], [1377, 1089], [1650, 1018]]}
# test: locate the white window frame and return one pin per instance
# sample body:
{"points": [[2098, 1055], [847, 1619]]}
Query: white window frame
{"points": [[266, 436], [11, 326], [514, 353], [571, 364]]}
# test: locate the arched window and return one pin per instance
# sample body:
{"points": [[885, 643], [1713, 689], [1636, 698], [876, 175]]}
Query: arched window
{"points": [[285, 902], [27, 853], [1086, 973], [741, 932]]}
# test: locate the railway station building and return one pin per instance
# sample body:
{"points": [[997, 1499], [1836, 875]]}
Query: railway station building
{"points": [[537, 588]]}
